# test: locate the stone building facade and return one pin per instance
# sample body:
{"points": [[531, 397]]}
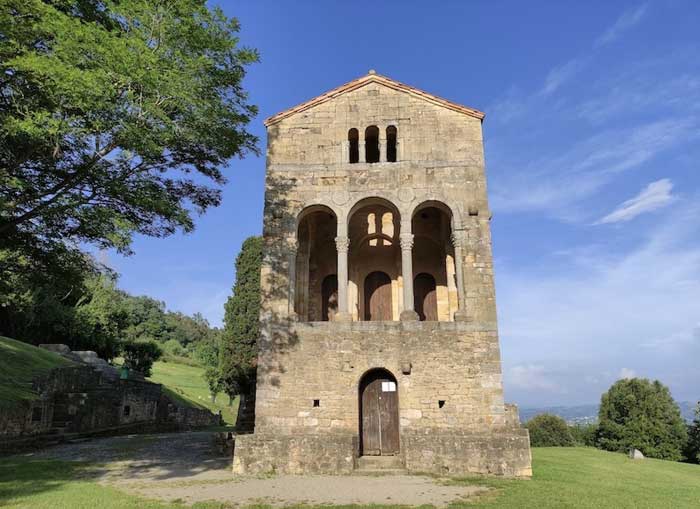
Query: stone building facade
{"points": [[378, 333]]}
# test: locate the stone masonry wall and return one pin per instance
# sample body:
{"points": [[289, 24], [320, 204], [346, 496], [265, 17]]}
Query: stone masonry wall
{"points": [[454, 362]]}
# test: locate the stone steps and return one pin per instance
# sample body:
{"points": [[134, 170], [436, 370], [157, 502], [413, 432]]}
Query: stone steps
{"points": [[380, 465]]}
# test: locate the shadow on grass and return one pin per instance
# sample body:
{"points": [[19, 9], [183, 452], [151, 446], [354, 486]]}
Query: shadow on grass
{"points": [[23, 479]]}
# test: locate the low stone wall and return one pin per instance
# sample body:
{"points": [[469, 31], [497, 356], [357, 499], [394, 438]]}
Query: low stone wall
{"points": [[180, 417], [294, 454], [504, 453]]}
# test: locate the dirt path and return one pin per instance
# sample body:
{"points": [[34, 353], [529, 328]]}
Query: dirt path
{"points": [[186, 467]]}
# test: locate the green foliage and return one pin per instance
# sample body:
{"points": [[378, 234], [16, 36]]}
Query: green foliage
{"points": [[115, 117], [173, 347], [584, 434], [547, 430], [140, 355], [211, 375], [238, 356], [637, 413], [692, 449], [21, 363]]}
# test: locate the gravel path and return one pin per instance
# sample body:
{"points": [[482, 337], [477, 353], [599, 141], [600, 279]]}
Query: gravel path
{"points": [[186, 467]]}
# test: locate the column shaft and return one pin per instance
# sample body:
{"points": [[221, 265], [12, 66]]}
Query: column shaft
{"points": [[342, 244], [408, 312]]}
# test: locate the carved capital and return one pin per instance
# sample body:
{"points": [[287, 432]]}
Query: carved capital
{"points": [[406, 241], [342, 244]]}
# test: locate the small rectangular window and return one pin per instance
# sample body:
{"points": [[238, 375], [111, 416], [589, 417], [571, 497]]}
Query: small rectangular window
{"points": [[441, 403], [317, 403], [127, 410]]}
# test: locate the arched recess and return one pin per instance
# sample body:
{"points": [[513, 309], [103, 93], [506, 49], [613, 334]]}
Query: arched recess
{"points": [[373, 230], [372, 144], [353, 146], [316, 261], [391, 140], [377, 301], [433, 255], [425, 296], [378, 401]]}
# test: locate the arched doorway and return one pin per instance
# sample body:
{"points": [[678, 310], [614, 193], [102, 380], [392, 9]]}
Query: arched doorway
{"points": [[329, 297], [377, 297], [379, 414], [425, 297]]}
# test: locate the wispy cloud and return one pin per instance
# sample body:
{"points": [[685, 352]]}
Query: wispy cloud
{"points": [[561, 74], [596, 311], [532, 377], [654, 196], [558, 182], [626, 21]]}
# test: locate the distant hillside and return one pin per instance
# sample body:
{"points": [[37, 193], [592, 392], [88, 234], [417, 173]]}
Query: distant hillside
{"points": [[584, 414]]}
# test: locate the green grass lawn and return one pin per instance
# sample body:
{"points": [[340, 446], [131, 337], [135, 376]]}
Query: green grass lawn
{"points": [[563, 478], [186, 384], [20, 363]]}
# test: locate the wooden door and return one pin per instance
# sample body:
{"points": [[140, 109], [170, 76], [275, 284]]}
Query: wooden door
{"points": [[329, 297], [425, 297], [377, 297], [379, 415]]}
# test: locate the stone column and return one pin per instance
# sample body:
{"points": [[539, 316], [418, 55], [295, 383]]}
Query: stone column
{"points": [[361, 151], [408, 312], [342, 244], [461, 314], [293, 246]]}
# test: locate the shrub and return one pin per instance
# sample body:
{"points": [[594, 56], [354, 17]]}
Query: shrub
{"points": [[174, 348], [637, 413], [140, 355], [584, 434], [547, 430]]}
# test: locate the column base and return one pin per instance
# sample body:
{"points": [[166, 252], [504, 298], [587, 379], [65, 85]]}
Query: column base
{"points": [[462, 316], [342, 317], [408, 315]]}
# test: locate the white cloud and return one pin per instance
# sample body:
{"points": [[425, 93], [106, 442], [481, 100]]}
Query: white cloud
{"points": [[531, 377], [557, 182], [654, 196], [627, 373], [598, 310], [627, 20]]}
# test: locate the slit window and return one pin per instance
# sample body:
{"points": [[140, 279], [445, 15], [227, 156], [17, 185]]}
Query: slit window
{"points": [[354, 146], [441, 403], [391, 144], [372, 144]]}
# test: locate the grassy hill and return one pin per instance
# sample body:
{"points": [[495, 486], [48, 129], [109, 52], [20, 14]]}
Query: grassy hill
{"points": [[186, 384], [20, 363]]}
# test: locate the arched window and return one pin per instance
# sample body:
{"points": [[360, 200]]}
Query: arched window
{"points": [[391, 144], [372, 144], [354, 143], [425, 297]]}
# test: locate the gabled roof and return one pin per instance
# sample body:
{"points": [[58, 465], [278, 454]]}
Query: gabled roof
{"points": [[373, 77]]}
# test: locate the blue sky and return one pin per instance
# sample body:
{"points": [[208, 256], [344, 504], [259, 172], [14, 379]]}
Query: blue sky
{"points": [[592, 138]]}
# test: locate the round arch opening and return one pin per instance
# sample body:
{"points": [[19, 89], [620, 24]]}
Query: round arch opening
{"points": [[378, 397]]}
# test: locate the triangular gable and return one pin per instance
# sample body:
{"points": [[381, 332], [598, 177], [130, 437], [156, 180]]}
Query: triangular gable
{"points": [[372, 77]]}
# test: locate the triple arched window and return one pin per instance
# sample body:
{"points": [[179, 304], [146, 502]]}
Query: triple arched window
{"points": [[372, 148]]}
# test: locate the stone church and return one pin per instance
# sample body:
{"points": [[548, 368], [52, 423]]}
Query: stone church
{"points": [[379, 344]]}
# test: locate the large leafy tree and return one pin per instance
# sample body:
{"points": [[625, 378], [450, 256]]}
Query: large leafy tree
{"points": [[115, 118], [238, 355], [641, 414], [692, 451]]}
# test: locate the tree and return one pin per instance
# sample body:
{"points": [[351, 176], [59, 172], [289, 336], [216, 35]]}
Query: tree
{"points": [[637, 413], [211, 375], [547, 430], [140, 355], [115, 119], [238, 357], [584, 434], [692, 449]]}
